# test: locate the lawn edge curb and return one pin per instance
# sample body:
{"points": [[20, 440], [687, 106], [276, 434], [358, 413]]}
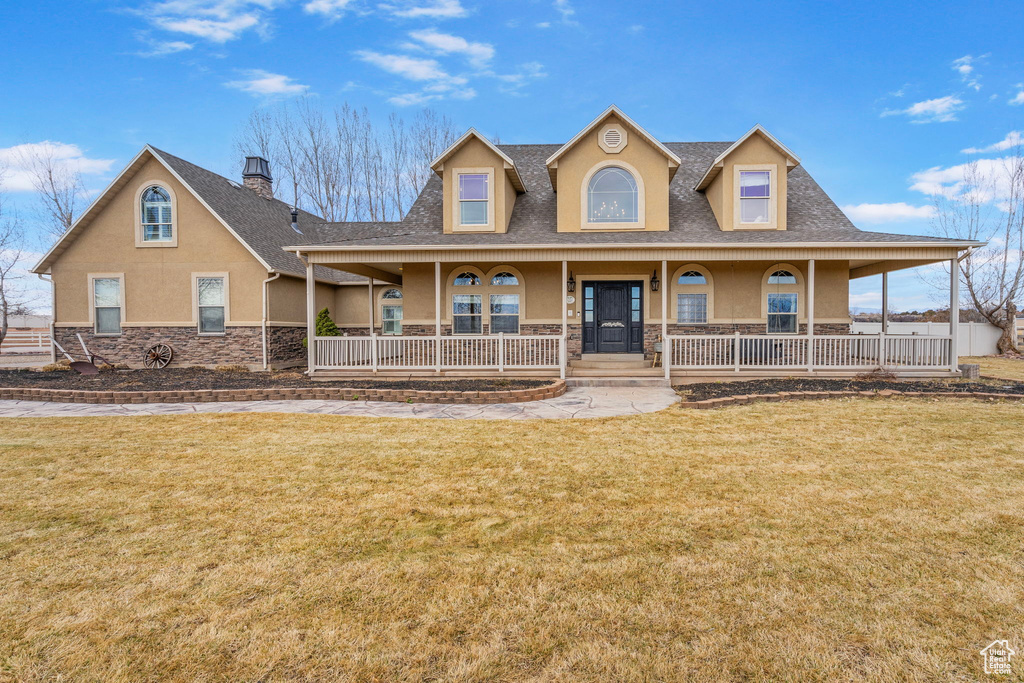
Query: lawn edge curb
{"points": [[724, 401], [319, 393]]}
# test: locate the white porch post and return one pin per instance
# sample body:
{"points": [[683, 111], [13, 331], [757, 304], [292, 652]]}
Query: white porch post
{"points": [[664, 320], [885, 303], [369, 290], [437, 316], [954, 314], [563, 351], [310, 316], [810, 315]]}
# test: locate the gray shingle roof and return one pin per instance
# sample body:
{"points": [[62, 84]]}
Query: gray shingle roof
{"points": [[263, 224], [811, 215]]}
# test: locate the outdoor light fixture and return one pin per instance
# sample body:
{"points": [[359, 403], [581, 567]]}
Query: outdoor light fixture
{"points": [[570, 284], [655, 282]]}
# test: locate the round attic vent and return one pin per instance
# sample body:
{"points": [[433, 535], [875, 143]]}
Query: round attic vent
{"points": [[612, 137]]}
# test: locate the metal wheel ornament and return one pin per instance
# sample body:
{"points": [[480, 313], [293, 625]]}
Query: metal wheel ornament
{"points": [[158, 356]]}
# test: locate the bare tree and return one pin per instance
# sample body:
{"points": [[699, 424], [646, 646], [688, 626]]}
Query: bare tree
{"points": [[989, 207], [59, 186], [12, 248]]}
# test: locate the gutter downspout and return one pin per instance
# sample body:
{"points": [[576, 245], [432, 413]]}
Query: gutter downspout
{"points": [[53, 315], [266, 314]]}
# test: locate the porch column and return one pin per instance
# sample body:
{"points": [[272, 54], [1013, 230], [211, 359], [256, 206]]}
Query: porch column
{"points": [[563, 351], [954, 314], [437, 316], [664, 320], [310, 316], [369, 289], [885, 303], [810, 315]]}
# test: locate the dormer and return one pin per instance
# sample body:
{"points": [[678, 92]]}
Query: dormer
{"points": [[612, 176], [746, 184], [480, 185]]}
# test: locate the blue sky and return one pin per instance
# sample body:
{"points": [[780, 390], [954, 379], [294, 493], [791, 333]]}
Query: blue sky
{"points": [[878, 99]]}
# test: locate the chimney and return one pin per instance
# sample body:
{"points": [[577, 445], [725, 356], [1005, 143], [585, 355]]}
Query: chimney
{"points": [[256, 177]]}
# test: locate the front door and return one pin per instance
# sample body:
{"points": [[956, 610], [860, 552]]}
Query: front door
{"points": [[612, 318]]}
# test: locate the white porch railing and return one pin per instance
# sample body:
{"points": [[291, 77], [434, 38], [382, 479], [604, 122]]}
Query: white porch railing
{"points": [[826, 352], [463, 352]]}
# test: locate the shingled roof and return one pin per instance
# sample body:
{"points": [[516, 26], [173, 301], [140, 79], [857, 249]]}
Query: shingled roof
{"points": [[811, 215]]}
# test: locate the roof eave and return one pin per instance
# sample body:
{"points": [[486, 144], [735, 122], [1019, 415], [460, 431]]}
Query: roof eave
{"points": [[632, 124], [511, 170], [961, 244], [792, 160]]}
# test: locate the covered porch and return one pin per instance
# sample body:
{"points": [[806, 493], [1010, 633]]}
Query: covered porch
{"points": [[692, 312]]}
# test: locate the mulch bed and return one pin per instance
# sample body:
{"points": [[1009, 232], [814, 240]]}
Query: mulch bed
{"points": [[709, 390], [195, 379]]}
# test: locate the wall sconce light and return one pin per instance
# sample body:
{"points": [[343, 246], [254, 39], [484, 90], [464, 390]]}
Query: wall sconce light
{"points": [[655, 282], [570, 284]]}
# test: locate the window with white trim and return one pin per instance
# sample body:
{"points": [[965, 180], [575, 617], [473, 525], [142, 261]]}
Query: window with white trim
{"points": [[211, 296], [156, 215], [613, 197], [474, 197], [782, 311], [467, 309], [106, 294], [505, 313], [755, 196], [391, 311]]}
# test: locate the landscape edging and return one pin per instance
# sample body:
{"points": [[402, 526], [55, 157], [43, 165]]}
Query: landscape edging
{"points": [[819, 395], [282, 394]]}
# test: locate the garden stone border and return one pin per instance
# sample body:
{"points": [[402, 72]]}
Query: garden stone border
{"points": [[819, 395], [283, 394]]}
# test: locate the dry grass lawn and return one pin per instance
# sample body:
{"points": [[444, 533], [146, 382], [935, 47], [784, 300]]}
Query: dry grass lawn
{"points": [[998, 366], [832, 541]]}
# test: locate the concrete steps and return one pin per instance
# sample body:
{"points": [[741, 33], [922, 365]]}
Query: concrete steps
{"points": [[617, 382], [644, 371]]}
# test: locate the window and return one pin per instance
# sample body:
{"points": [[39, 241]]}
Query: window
{"points": [[692, 277], [782, 313], [612, 197], [755, 196], [467, 279], [106, 292], [505, 279], [211, 297], [467, 313], [692, 308], [782, 277], [474, 196], [505, 313], [588, 304], [391, 311], [156, 215]]}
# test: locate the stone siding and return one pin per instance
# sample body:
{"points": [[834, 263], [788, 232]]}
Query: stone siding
{"points": [[238, 346]]}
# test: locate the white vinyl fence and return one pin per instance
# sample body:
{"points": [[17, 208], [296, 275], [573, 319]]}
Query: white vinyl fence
{"points": [[976, 339]]}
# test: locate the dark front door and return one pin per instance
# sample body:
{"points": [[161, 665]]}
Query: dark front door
{"points": [[612, 318]]}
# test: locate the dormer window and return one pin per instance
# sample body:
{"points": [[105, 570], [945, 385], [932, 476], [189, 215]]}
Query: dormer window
{"points": [[156, 215], [755, 197], [612, 197], [474, 196]]}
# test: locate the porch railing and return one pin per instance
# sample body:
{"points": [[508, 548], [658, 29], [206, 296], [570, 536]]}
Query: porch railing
{"points": [[464, 352], [827, 352]]}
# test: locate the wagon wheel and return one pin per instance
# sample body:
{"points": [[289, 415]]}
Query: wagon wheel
{"points": [[158, 356]]}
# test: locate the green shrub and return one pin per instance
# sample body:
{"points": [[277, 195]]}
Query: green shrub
{"points": [[325, 327]]}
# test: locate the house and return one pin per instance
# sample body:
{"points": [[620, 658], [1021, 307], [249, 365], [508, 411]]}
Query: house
{"points": [[614, 253]]}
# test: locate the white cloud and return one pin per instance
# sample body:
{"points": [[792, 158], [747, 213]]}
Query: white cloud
{"points": [[167, 47], [566, 10], [1018, 98], [261, 83], [15, 162], [215, 20], [636, 29], [965, 67], [332, 9], [950, 182], [543, 24], [938, 110], [887, 213], [478, 54], [436, 9], [1012, 139], [412, 68]]}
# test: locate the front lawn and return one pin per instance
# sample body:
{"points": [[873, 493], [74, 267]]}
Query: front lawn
{"points": [[849, 539], [998, 366]]}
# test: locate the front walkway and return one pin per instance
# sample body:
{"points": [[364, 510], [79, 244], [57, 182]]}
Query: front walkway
{"points": [[577, 402]]}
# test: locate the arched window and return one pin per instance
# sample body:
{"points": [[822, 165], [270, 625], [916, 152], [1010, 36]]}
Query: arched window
{"points": [[505, 278], [693, 295], [782, 277], [467, 279], [156, 215], [612, 197], [692, 277], [391, 311]]}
